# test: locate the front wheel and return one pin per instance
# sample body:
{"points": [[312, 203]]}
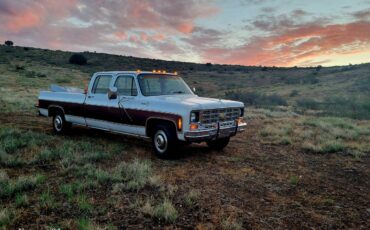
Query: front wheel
{"points": [[60, 125], [164, 141], [218, 144]]}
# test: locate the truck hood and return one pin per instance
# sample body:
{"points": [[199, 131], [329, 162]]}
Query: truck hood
{"points": [[197, 103]]}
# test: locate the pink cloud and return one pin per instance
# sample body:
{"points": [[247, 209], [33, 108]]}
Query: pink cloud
{"points": [[27, 19], [120, 35], [296, 46], [185, 27]]}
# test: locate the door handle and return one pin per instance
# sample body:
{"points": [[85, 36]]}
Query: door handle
{"points": [[145, 103], [90, 96]]}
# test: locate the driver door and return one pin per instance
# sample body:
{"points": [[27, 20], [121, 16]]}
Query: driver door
{"points": [[121, 109]]}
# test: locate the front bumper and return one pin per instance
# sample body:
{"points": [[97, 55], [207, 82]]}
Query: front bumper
{"points": [[213, 134]]}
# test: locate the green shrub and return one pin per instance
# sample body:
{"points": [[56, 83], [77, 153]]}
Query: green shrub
{"points": [[135, 174], [8, 43], [47, 200], [353, 107], [6, 216], [192, 197], [21, 200], [294, 93], [78, 59], [231, 224], [9, 187], [166, 211], [293, 180], [257, 100], [83, 204], [307, 103]]}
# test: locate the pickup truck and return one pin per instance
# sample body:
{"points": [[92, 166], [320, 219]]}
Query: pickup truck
{"points": [[155, 105]]}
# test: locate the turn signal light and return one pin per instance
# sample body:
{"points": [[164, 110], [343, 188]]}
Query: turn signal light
{"points": [[179, 123], [240, 120], [193, 126]]}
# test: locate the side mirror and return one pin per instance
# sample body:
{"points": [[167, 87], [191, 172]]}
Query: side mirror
{"points": [[194, 89], [112, 93]]}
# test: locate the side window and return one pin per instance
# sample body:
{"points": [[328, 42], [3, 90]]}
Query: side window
{"points": [[126, 86], [101, 84]]}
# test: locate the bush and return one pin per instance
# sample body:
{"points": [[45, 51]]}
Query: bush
{"points": [[78, 59], [258, 100], [294, 93], [9, 43], [353, 107], [307, 103]]}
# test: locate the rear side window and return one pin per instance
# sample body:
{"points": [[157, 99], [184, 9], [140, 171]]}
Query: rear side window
{"points": [[126, 86], [101, 84]]}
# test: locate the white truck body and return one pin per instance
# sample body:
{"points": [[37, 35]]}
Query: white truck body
{"points": [[130, 111]]}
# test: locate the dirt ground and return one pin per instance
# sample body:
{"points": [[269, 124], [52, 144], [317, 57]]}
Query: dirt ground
{"points": [[258, 185]]}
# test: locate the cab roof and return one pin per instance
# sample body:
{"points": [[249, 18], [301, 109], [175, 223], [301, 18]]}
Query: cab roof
{"points": [[137, 72]]}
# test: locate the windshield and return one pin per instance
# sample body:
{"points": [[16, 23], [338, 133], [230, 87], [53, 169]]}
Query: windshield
{"points": [[155, 84]]}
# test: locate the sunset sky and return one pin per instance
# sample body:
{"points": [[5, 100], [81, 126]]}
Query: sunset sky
{"points": [[246, 32]]}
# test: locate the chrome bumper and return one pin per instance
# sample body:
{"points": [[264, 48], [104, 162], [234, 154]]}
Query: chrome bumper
{"points": [[213, 134]]}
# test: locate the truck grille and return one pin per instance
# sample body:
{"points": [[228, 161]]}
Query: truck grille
{"points": [[219, 115]]}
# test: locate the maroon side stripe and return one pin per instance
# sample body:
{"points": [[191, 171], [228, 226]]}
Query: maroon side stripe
{"points": [[118, 115]]}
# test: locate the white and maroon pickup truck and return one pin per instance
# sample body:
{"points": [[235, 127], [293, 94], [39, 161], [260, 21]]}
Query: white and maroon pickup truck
{"points": [[155, 105]]}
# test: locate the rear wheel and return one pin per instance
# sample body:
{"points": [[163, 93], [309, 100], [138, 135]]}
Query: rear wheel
{"points": [[60, 125], [164, 141], [218, 144]]}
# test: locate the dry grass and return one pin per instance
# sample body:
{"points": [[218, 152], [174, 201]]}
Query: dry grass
{"points": [[164, 210], [319, 134]]}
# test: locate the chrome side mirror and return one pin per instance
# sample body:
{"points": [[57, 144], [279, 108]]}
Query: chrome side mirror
{"points": [[112, 93]]}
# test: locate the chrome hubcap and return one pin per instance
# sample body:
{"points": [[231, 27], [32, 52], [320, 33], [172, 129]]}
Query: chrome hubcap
{"points": [[160, 141], [58, 123]]}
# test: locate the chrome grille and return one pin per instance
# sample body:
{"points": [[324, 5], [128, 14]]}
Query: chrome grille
{"points": [[219, 115]]}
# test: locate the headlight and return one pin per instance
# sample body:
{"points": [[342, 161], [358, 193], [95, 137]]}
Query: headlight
{"points": [[194, 116]]}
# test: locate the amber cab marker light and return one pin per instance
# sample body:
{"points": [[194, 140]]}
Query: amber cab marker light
{"points": [[193, 126], [154, 71], [175, 73], [138, 71], [164, 71], [179, 123]]}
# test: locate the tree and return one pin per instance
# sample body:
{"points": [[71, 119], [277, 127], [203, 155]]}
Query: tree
{"points": [[8, 43], [78, 59]]}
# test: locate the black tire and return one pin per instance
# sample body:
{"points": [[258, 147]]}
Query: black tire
{"points": [[164, 141], [218, 144], [60, 125]]}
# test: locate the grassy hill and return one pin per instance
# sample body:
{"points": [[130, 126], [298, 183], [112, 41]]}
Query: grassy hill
{"points": [[344, 89], [303, 161]]}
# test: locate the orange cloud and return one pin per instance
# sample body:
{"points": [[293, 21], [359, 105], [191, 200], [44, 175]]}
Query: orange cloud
{"points": [[297, 46], [120, 35]]}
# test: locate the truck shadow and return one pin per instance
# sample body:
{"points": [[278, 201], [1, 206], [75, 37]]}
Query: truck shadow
{"points": [[183, 152]]}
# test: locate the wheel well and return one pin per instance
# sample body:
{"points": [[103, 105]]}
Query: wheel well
{"points": [[153, 122], [54, 110]]}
